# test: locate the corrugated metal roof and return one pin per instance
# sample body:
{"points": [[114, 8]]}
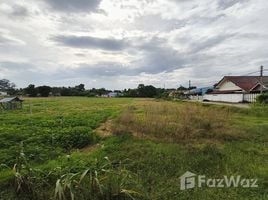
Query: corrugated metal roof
{"points": [[9, 99]]}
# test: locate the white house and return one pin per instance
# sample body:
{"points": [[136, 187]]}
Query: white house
{"points": [[111, 94], [235, 89]]}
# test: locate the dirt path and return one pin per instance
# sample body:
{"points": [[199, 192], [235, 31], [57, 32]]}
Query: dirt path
{"points": [[104, 130]]}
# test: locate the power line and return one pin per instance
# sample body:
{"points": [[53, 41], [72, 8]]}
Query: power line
{"points": [[251, 73], [247, 74]]}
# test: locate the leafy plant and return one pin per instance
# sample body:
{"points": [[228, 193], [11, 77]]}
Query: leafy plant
{"points": [[263, 98]]}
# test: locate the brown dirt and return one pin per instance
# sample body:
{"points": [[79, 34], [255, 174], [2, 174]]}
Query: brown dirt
{"points": [[105, 129]]}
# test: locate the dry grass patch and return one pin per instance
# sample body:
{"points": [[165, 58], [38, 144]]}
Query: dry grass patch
{"points": [[105, 129], [176, 122]]}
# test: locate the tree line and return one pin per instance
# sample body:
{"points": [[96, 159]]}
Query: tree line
{"points": [[79, 90]]}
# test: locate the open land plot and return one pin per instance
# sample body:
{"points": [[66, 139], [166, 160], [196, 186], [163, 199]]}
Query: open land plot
{"points": [[56, 148]]}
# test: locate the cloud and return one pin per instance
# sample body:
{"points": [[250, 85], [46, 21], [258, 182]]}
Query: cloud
{"points": [[86, 6], [8, 40], [88, 42], [14, 66], [149, 41], [158, 57], [19, 11], [157, 23], [105, 69], [4, 40], [225, 4], [208, 43]]}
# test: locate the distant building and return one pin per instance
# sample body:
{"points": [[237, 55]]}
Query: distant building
{"points": [[11, 103], [111, 94]]}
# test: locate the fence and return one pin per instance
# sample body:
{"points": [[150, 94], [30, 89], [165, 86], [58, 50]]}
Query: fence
{"points": [[232, 98], [196, 97], [250, 97]]}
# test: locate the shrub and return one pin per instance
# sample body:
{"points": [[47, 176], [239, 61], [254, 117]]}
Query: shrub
{"points": [[77, 137], [263, 98]]}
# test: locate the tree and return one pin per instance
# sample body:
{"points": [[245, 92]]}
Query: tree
{"points": [[146, 91], [7, 86], [66, 92], [31, 90], [80, 87], [44, 90]]}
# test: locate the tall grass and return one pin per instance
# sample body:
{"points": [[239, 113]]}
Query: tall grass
{"points": [[105, 180], [100, 179], [176, 122]]}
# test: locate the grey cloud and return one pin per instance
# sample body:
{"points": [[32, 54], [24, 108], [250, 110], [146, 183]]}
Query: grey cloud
{"points": [[102, 69], [207, 43], [4, 40], [19, 11], [224, 4], [88, 42], [157, 23], [157, 57], [162, 59], [204, 21], [80, 54], [15, 66], [74, 5], [21, 73]]}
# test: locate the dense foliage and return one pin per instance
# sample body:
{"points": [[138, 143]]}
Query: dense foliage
{"points": [[79, 90], [7, 86], [263, 98]]}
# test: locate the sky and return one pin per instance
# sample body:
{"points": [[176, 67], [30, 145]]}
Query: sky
{"points": [[119, 44]]}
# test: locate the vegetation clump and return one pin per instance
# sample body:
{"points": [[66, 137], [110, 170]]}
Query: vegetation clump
{"points": [[263, 98]]}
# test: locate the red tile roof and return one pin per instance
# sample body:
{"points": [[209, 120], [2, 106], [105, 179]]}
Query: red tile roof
{"points": [[247, 83]]}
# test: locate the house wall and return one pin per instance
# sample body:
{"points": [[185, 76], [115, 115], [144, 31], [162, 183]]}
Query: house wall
{"points": [[232, 98], [227, 85], [196, 97]]}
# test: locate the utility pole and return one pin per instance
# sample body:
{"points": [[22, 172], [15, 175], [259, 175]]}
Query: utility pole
{"points": [[261, 79], [189, 84]]}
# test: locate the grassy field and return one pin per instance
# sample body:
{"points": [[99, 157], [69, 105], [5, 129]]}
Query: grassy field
{"points": [[55, 149]]}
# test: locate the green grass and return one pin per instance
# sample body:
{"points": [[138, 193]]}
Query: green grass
{"points": [[53, 126], [155, 142]]}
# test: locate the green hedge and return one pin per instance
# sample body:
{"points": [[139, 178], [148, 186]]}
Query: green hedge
{"points": [[263, 98], [77, 137]]}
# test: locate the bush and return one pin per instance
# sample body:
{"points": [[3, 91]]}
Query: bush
{"points": [[263, 98], [77, 137]]}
